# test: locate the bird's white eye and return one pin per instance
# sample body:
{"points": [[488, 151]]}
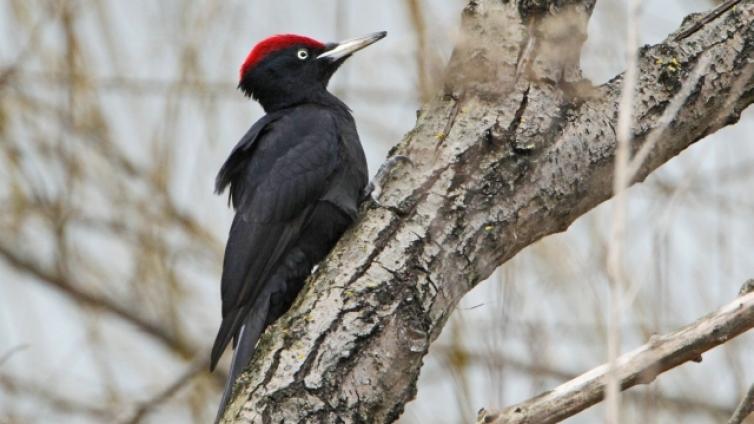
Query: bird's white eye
{"points": [[302, 54]]}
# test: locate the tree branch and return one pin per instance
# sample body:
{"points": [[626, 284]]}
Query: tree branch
{"points": [[59, 282], [502, 158], [744, 409], [144, 408], [487, 360], [52, 399], [640, 366]]}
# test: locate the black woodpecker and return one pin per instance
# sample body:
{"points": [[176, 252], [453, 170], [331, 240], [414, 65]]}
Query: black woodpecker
{"points": [[296, 179]]}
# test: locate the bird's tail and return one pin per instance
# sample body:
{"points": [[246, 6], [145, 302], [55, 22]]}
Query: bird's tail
{"points": [[248, 335]]}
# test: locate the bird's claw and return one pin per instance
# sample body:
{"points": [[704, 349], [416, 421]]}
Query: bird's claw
{"points": [[374, 188]]}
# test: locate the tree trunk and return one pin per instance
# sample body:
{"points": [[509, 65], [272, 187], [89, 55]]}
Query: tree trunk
{"points": [[517, 146]]}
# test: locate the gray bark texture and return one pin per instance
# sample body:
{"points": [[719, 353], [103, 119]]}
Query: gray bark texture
{"points": [[516, 146]]}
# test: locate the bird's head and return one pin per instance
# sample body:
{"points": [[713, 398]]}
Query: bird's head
{"points": [[287, 69]]}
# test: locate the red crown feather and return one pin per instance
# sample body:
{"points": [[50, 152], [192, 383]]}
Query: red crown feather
{"points": [[274, 43]]}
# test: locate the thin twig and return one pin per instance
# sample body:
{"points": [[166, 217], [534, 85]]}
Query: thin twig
{"points": [[12, 351], [416, 14], [132, 86], [51, 398], [59, 282], [145, 407], [744, 409], [618, 227], [30, 47]]}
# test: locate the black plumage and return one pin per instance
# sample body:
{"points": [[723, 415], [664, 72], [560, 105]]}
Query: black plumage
{"points": [[295, 179]]}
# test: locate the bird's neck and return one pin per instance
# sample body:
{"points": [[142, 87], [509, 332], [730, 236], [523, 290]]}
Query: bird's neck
{"points": [[320, 97]]}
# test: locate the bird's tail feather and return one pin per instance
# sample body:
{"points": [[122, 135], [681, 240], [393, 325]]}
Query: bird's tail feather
{"points": [[249, 333]]}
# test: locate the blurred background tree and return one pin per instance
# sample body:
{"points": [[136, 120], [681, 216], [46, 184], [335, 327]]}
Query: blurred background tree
{"points": [[114, 118]]}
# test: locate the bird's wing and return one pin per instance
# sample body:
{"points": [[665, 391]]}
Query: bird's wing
{"points": [[239, 155], [276, 188]]}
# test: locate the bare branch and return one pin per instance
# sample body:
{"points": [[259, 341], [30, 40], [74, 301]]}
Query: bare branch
{"points": [[199, 366], [621, 182], [7, 355], [53, 399], [640, 366], [744, 409], [674, 403], [416, 14], [58, 282]]}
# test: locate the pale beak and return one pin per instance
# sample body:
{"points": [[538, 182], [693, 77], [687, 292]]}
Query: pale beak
{"points": [[348, 47]]}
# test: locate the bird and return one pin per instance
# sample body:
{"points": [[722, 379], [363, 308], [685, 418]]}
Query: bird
{"points": [[295, 179]]}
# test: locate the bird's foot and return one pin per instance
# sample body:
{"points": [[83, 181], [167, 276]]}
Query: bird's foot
{"points": [[374, 188]]}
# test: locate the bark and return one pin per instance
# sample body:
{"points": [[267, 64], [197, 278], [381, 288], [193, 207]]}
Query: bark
{"points": [[516, 147], [640, 366]]}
